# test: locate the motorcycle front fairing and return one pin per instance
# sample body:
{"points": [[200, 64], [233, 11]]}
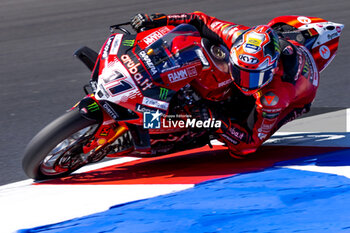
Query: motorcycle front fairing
{"points": [[129, 81], [137, 80]]}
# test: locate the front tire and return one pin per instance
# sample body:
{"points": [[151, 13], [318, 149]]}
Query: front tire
{"points": [[56, 150]]}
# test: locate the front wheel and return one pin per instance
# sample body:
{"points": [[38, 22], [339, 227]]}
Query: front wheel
{"points": [[57, 150]]}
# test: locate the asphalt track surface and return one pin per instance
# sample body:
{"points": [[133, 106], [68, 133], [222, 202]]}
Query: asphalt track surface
{"points": [[39, 78]]}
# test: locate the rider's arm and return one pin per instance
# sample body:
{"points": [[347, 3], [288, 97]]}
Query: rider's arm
{"points": [[270, 110], [210, 27]]}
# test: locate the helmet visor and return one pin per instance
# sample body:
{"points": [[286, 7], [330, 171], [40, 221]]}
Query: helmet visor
{"points": [[251, 79]]}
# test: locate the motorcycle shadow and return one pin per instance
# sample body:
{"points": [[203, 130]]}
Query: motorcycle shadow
{"points": [[203, 164]]}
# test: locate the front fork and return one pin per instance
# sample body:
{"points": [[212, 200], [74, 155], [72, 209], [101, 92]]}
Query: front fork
{"points": [[107, 132], [104, 136]]}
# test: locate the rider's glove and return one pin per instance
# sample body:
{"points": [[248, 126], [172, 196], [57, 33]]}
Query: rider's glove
{"points": [[141, 22]]}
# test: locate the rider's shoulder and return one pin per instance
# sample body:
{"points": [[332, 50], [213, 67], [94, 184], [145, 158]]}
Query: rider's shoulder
{"points": [[276, 95]]}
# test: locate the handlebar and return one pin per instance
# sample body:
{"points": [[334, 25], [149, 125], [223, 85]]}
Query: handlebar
{"points": [[118, 27]]}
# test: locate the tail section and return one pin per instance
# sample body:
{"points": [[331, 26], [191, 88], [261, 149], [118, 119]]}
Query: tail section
{"points": [[321, 36]]}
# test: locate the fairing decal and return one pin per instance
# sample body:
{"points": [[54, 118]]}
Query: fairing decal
{"points": [[326, 36], [122, 90], [295, 21], [327, 31]]}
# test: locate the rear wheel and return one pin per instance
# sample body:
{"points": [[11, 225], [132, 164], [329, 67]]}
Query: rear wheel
{"points": [[57, 150]]}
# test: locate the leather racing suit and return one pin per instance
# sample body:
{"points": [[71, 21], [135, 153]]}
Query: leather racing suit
{"points": [[286, 97]]}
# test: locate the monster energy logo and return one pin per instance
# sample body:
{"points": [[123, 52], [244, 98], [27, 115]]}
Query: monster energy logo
{"points": [[128, 42], [93, 107], [305, 69], [163, 93], [277, 45]]}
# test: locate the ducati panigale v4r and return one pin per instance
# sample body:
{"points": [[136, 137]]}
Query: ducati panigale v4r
{"points": [[156, 92]]}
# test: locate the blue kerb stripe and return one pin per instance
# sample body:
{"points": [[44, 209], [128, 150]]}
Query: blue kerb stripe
{"points": [[277, 200]]}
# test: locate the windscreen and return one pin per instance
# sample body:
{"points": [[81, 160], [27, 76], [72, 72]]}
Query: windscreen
{"points": [[176, 49]]}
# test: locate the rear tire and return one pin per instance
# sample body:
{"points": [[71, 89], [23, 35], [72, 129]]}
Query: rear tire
{"points": [[54, 134]]}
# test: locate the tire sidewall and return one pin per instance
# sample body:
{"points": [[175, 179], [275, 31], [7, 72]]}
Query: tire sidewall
{"points": [[48, 138]]}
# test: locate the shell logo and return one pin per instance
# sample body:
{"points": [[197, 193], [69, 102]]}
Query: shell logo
{"points": [[101, 141]]}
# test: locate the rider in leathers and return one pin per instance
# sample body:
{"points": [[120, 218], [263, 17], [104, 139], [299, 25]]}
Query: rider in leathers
{"points": [[278, 74]]}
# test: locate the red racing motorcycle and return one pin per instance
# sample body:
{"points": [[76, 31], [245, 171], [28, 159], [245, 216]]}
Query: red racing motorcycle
{"points": [[156, 92]]}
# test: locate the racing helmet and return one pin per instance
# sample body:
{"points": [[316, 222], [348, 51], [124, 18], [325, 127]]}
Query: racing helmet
{"points": [[254, 58]]}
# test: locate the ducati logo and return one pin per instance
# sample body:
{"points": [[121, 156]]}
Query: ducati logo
{"points": [[304, 20]]}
